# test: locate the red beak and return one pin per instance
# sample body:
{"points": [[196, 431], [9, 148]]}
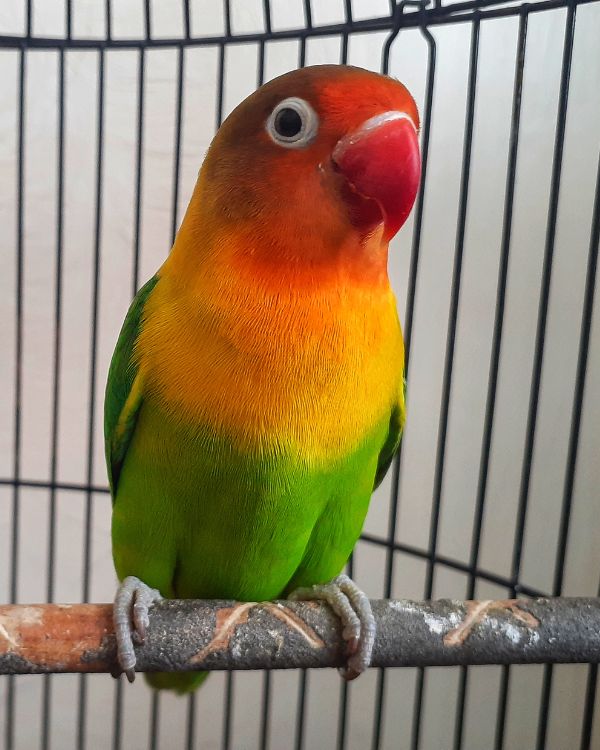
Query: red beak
{"points": [[382, 163]]}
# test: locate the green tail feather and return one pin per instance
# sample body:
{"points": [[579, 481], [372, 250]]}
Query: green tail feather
{"points": [[180, 682]]}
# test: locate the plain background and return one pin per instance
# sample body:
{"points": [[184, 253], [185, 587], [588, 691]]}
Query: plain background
{"points": [[471, 361]]}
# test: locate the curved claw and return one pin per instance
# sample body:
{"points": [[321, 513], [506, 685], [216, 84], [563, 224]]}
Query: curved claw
{"points": [[360, 660], [353, 608], [130, 616]]}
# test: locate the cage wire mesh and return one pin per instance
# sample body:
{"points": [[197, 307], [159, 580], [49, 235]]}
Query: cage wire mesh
{"points": [[107, 109]]}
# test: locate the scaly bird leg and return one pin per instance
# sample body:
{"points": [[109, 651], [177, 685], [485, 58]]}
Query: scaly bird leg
{"points": [[130, 616], [353, 608]]}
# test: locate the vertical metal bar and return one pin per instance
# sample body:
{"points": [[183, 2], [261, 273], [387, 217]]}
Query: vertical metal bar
{"points": [[344, 49], [94, 332], [186, 18], [346, 35], [536, 379], [502, 709], [108, 20], [50, 562], [301, 710], [228, 717], [388, 582], [227, 18], [14, 550], [580, 378], [260, 73], [267, 15], [495, 350], [588, 711], [409, 314], [117, 739], [573, 446], [454, 300], [87, 549], [147, 20], [537, 372], [449, 355], [348, 12], [190, 734], [592, 681], [544, 298], [14, 572], [545, 292], [154, 721], [419, 206], [308, 25], [342, 733], [265, 713], [178, 128], [221, 92], [138, 172], [348, 23], [302, 53], [69, 18], [308, 22]]}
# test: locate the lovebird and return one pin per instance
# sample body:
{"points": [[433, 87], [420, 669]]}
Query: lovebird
{"points": [[255, 397]]}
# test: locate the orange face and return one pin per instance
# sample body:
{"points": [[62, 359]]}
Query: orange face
{"points": [[314, 161]]}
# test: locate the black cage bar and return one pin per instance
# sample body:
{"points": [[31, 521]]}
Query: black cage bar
{"points": [[424, 19]]}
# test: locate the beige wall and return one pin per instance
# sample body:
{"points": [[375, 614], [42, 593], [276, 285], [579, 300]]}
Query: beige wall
{"points": [[471, 363]]}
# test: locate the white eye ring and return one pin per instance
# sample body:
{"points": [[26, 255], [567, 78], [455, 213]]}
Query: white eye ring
{"points": [[308, 123]]}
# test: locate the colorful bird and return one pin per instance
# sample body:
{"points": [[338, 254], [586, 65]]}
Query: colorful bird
{"points": [[255, 396]]}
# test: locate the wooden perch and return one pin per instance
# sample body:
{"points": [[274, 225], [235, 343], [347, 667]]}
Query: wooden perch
{"points": [[189, 635]]}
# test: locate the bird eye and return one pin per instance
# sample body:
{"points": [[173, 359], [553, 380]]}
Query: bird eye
{"points": [[287, 123], [293, 123]]}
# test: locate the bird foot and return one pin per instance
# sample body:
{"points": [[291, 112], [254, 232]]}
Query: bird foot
{"points": [[353, 608], [130, 617]]}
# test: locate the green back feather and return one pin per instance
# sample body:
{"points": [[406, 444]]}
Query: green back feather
{"points": [[118, 423]]}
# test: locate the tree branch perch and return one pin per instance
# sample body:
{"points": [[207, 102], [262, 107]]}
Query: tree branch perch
{"points": [[191, 635]]}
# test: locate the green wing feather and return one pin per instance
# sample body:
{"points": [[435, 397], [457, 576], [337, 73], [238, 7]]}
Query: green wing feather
{"points": [[123, 399], [392, 441]]}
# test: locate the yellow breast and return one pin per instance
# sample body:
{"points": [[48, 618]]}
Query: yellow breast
{"points": [[312, 373]]}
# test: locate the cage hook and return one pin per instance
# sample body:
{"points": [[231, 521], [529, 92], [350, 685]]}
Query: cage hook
{"points": [[397, 24]]}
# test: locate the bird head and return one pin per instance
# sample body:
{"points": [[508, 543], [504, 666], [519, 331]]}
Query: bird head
{"points": [[313, 164]]}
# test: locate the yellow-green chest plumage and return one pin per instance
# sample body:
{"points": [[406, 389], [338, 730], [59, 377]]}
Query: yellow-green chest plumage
{"points": [[307, 371], [259, 436]]}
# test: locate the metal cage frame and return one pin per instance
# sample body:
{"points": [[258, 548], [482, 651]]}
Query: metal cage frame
{"points": [[406, 14]]}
